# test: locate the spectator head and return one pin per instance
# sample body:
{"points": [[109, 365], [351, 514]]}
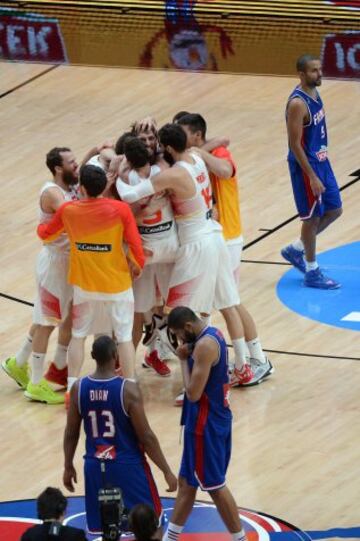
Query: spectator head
{"points": [[51, 504], [143, 522]]}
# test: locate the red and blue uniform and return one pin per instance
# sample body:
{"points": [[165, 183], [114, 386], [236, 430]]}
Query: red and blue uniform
{"points": [[207, 424], [111, 438], [314, 142]]}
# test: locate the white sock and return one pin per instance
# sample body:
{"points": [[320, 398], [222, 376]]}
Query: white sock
{"points": [[255, 350], [37, 367], [298, 245], [240, 349], [311, 265], [173, 532], [60, 356], [70, 383], [24, 352], [239, 536]]}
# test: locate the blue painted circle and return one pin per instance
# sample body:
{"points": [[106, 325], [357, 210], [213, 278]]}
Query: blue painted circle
{"points": [[327, 306]]}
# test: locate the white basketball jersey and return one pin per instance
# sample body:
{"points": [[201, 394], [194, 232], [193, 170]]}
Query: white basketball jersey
{"points": [[155, 220], [193, 215], [62, 242]]}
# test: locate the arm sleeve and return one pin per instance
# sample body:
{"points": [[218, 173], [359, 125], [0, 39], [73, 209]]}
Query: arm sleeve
{"points": [[132, 238], [130, 194], [52, 230], [224, 154]]}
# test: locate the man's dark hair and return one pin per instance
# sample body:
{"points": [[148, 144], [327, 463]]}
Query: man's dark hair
{"points": [[103, 349], [51, 504], [174, 136], [54, 158], [136, 152], [120, 143], [303, 60], [179, 316], [93, 179], [194, 122], [143, 522], [179, 115]]}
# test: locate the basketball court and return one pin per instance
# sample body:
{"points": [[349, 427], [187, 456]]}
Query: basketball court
{"points": [[296, 437]]}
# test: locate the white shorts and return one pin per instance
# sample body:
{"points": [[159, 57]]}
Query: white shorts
{"points": [[202, 278], [105, 317], [226, 290], [54, 294], [235, 247], [152, 288]]}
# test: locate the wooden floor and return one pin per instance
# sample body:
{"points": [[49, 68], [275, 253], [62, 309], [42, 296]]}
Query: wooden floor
{"points": [[296, 437]]}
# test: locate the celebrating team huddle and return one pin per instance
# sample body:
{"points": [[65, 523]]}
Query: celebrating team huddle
{"points": [[140, 228]]}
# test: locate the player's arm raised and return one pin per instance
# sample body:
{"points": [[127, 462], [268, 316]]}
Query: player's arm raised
{"points": [[134, 406], [71, 438], [206, 352], [296, 117]]}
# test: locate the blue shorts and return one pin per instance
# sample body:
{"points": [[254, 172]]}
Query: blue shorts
{"points": [[135, 481], [206, 458], [306, 204]]}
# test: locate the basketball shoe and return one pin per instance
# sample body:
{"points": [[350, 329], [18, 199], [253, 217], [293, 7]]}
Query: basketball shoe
{"points": [[42, 392], [261, 369], [57, 376], [179, 400], [295, 257], [315, 278], [152, 360], [16, 372]]}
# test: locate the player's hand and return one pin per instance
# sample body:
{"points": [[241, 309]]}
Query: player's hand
{"points": [[69, 478], [105, 144], [183, 351], [145, 125], [215, 213], [147, 252], [171, 481], [135, 270], [317, 187]]}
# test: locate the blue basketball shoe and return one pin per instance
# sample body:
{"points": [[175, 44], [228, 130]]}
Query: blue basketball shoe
{"points": [[295, 257], [315, 278]]}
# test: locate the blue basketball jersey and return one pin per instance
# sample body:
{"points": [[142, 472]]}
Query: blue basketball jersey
{"points": [[314, 138], [109, 432], [213, 407]]}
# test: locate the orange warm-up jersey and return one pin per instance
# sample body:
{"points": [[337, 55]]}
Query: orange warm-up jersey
{"points": [[97, 229], [227, 198]]}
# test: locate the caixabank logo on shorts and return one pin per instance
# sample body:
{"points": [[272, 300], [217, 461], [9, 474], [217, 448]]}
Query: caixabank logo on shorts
{"points": [[203, 524]]}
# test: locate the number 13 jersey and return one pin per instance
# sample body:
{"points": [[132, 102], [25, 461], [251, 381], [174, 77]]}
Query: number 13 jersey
{"points": [[108, 428]]}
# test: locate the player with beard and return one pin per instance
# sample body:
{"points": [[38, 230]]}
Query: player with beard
{"points": [[202, 277], [207, 422], [54, 294]]}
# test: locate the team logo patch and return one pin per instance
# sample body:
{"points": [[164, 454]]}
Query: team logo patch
{"points": [[105, 452]]}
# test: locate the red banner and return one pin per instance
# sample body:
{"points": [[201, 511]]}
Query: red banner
{"points": [[30, 37], [341, 55]]}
